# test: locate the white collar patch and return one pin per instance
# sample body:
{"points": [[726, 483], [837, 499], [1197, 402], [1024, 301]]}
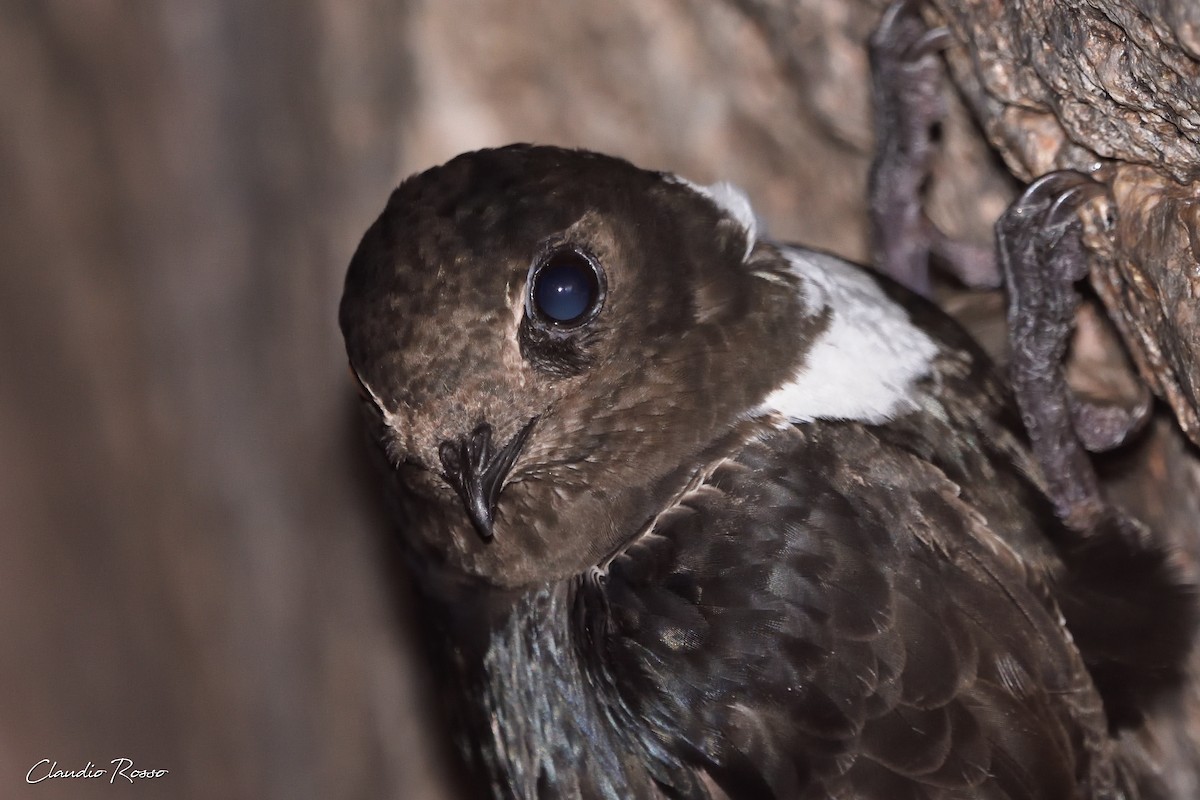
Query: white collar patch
{"points": [[864, 364]]}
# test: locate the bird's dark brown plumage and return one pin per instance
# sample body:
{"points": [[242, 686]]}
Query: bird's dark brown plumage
{"points": [[714, 573]]}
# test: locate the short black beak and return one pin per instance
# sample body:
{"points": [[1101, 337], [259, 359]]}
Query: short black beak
{"points": [[477, 470]]}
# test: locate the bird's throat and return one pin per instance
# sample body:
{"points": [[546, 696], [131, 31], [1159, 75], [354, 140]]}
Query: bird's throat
{"points": [[548, 719]]}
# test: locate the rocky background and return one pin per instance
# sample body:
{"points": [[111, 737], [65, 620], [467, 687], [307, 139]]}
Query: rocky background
{"points": [[194, 572]]}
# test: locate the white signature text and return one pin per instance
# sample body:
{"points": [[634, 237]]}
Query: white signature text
{"points": [[121, 768]]}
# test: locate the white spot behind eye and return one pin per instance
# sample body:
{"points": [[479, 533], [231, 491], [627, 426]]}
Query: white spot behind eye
{"points": [[864, 364], [730, 199]]}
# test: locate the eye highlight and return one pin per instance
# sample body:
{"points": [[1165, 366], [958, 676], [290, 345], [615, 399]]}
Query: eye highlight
{"points": [[566, 288]]}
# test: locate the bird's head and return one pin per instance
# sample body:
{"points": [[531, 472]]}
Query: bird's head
{"points": [[549, 341]]}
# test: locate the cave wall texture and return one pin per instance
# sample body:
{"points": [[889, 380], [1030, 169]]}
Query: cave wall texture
{"points": [[193, 564]]}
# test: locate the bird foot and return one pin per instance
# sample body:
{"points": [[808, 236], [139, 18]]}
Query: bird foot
{"points": [[1040, 250], [906, 77], [1130, 614]]}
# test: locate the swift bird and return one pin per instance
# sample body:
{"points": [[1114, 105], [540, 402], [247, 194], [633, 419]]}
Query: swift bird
{"points": [[699, 514]]}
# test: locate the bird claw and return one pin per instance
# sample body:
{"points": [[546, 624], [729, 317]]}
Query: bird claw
{"points": [[1057, 193], [1044, 220], [1038, 241], [1039, 244], [901, 36], [906, 85], [934, 41], [906, 78]]}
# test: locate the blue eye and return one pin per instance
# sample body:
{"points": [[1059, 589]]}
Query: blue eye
{"points": [[566, 289]]}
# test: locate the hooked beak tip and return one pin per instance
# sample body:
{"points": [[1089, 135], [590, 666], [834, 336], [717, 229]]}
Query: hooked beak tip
{"points": [[481, 518], [477, 472]]}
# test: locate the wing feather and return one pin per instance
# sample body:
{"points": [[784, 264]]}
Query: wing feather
{"points": [[825, 616]]}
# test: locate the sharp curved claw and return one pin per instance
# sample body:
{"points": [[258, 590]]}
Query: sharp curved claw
{"points": [[1053, 189], [1048, 206], [1066, 204], [933, 41], [1054, 182], [891, 17], [901, 32]]}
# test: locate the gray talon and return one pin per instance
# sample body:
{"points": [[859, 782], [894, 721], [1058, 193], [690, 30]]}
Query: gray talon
{"points": [[1039, 247], [906, 82]]}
